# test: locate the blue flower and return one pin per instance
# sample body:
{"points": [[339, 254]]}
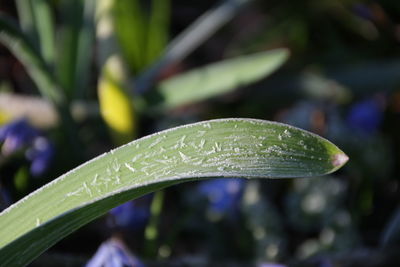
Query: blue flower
{"points": [[224, 195], [365, 116], [18, 135], [41, 154], [113, 253], [132, 215]]}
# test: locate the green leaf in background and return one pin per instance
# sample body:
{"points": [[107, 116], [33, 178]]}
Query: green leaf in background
{"points": [[130, 29], [26, 18], [14, 39], [158, 29], [219, 148], [85, 44], [44, 23], [219, 78], [68, 40], [21, 179], [185, 42]]}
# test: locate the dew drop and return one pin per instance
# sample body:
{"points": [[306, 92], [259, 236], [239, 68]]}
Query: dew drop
{"points": [[199, 162], [157, 141], [116, 166], [87, 189], [135, 158], [212, 151], [202, 142], [222, 168], [207, 125], [184, 157], [129, 167], [181, 142], [117, 179], [218, 147], [287, 133], [94, 181]]}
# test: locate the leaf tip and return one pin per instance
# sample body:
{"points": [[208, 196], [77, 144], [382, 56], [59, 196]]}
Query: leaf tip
{"points": [[339, 159]]}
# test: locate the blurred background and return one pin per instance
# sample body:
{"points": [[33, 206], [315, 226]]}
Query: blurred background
{"points": [[78, 78]]}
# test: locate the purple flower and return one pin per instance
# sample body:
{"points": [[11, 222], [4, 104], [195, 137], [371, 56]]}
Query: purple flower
{"points": [[41, 154], [19, 134], [16, 135], [224, 195], [365, 116], [113, 253], [132, 215]]}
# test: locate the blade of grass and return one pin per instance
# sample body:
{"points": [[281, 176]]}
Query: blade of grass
{"points": [[85, 44], [157, 33], [191, 38], [218, 78], [13, 38], [151, 231], [219, 148], [26, 19], [44, 22], [67, 53], [130, 29]]}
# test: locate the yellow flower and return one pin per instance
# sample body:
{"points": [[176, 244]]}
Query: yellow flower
{"points": [[116, 106]]}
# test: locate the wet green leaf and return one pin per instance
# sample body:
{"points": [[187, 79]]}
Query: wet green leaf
{"points": [[245, 148]]}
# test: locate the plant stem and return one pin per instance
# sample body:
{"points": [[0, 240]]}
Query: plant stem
{"points": [[151, 231]]}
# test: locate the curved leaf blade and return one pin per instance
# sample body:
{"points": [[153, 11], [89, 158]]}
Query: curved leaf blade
{"points": [[130, 27], [14, 39], [219, 78], [44, 22], [219, 148]]}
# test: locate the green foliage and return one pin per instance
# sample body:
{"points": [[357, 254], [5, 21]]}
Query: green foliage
{"points": [[45, 29], [219, 78], [141, 37], [23, 48], [219, 148]]}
